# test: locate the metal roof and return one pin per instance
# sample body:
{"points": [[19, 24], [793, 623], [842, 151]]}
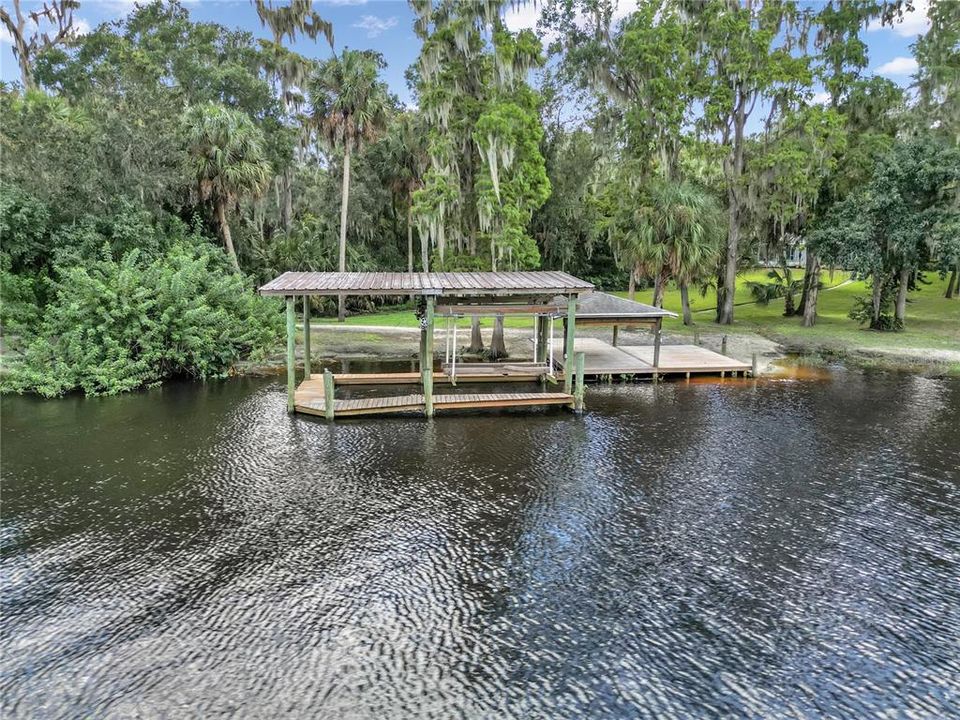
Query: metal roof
{"points": [[443, 283], [599, 305]]}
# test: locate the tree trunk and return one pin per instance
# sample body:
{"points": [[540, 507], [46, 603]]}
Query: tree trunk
{"points": [[498, 348], [725, 311], [952, 285], [632, 285], [811, 290], [286, 210], [409, 240], [476, 339], [344, 204], [877, 297], [901, 308], [659, 285], [425, 252], [807, 276], [225, 231], [685, 303]]}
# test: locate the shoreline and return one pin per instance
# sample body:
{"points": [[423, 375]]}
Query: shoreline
{"points": [[388, 343]]}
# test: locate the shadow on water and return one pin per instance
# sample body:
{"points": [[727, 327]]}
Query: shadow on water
{"points": [[763, 548]]}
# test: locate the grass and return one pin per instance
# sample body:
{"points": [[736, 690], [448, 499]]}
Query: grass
{"points": [[932, 322]]}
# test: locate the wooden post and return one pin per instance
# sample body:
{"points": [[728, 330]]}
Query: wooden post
{"points": [[569, 343], [291, 353], [696, 338], [427, 362], [656, 344], [579, 392], [328, 393], [616, 334], [306, 337], [754, 366], [723, 345], [543, 338]]}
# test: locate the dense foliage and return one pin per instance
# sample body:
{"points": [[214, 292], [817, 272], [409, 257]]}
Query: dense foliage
{"points": [[156, 165]]}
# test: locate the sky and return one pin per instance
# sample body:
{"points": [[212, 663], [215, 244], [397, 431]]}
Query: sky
{"points": [[387, 27]]}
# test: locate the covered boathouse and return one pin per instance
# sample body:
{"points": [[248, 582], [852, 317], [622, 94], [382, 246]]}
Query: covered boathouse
{"points": [[450, 295]]}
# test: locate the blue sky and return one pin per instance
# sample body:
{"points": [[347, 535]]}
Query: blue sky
{"points": [[387, 26]]}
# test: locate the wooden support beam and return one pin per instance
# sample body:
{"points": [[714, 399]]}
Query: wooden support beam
{"points": [[569, 341], [616, 334], [723, 345], [753, 366], [656, 344], [306, 336], [428, 360], [580, 389], [498, 309], [291, 353], [328, 394], [543, 335]]}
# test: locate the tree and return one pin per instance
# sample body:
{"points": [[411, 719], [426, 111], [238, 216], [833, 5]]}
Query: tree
{"points": [[897, 224], [842, 55], [748, 49], [29, 43], [486, 175], [350, 106], [290, 69], [403, 161], [226, 154], [938, 74], [795, 160], [668, 231]]}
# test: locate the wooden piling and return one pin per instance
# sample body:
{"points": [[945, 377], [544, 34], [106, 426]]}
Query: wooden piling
{"points": [[723, 345], [543, 338], [656, 344], [427, 361], [569, 343], [754, 366], [306, 337], [328, 394], [580, 389], [616, 334], [291, 353]]}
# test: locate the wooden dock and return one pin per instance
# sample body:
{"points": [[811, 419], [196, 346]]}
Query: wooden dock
{"points": [[310, 398], [601, 358]]}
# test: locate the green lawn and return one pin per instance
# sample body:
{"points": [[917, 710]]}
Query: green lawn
{"points": [[932, 320]]}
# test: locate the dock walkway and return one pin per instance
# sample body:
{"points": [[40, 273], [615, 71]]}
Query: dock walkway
{"points": [[601, 358], [310, 399]]}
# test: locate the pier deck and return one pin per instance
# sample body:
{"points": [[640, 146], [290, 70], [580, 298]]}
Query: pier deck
{"points": [[310, 399], [601, 358]]}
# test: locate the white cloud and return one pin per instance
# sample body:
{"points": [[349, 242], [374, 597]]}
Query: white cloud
{"points": [[913, 24], [343, 2], [898, 66], [80, 27], [820, 98], [525, 16], [375, 25]]}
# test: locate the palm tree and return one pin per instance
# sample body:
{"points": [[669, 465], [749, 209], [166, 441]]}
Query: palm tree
{"points": [[226, 154], [670, 230], [350, 107], [692, 224], [404, 161]]}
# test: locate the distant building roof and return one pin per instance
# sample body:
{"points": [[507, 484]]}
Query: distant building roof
{"points": [[442, 283], [603, 306]]}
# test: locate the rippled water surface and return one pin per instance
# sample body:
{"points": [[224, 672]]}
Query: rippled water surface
{"points": [[780, 549]]}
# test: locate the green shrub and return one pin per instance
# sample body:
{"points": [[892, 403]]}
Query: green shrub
{"points": [[118, 325]]}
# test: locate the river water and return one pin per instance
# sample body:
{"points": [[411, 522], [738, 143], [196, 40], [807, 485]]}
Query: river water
{"points": [[774, 549]]}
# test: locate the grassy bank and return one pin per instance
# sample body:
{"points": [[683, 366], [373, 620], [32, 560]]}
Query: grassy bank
{"points": [[931, 336]]}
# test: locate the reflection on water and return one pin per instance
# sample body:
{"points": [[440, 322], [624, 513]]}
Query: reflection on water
{"points": [[761, 549]]}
